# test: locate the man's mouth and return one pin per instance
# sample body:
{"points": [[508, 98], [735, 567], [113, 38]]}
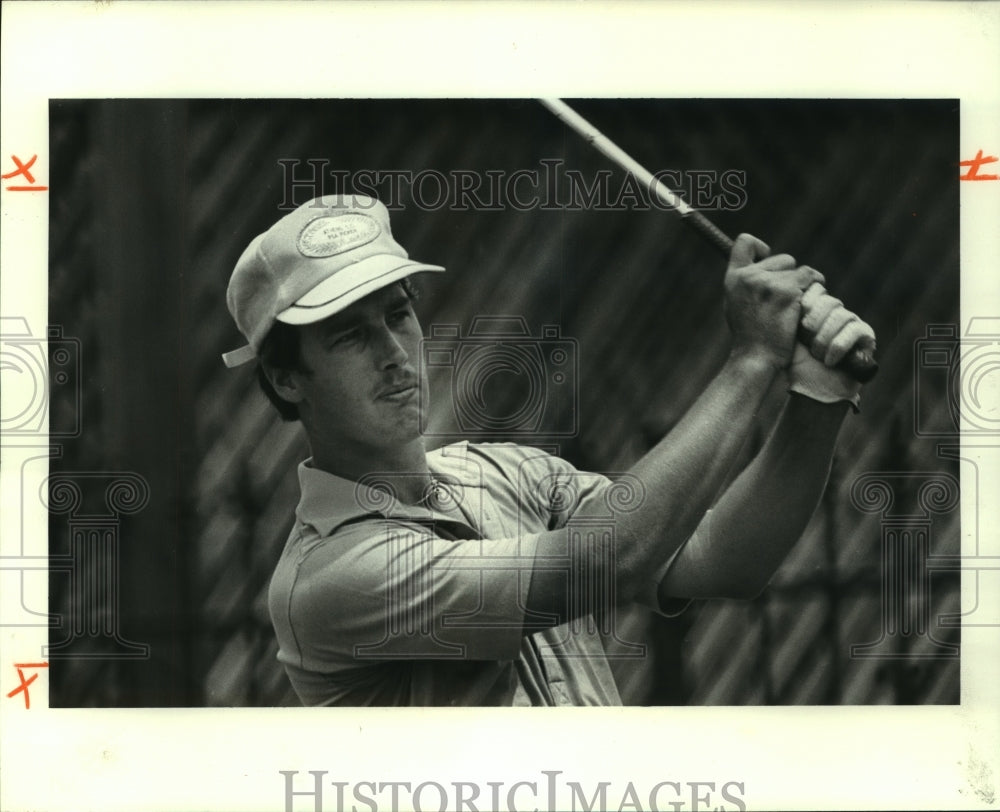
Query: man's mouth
{"points": [[399, 391]]}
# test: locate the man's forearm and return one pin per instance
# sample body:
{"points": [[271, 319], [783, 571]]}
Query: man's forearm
{"points": [[765, 510], [682, 474]]}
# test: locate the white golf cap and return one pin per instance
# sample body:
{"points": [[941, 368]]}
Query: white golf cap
{"points": [[314, 262]]}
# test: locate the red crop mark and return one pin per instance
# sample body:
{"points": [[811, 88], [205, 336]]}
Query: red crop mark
{"points": [[23, 169], [25, 682], [975, 163]]}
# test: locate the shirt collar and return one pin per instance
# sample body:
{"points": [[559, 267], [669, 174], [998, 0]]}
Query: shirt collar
{"points": [[328, 501]]}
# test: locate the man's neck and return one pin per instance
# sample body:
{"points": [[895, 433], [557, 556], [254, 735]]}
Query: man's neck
{"points": [[403, 468]]}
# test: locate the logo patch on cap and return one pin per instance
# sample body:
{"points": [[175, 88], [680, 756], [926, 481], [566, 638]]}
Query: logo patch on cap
{"points": [[337, 233]]}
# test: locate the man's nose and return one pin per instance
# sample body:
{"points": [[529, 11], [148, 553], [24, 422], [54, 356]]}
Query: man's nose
{"points": [[391, 352]]}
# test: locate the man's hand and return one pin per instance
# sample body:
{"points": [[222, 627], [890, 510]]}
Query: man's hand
{"points": [[837, 331], [762, 302]]}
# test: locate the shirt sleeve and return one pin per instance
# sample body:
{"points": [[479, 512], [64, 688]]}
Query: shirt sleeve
{"points": [[553, 491], [564, 496], [386, 589]]}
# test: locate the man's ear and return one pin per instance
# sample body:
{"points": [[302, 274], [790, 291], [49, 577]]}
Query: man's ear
{"points": [[285, 382]]}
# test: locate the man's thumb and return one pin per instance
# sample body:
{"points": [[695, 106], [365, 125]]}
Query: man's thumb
{"points": [[746, 250]]}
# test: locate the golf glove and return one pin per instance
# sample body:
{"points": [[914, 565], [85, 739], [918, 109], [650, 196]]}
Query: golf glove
{"points": [[836, 332]]}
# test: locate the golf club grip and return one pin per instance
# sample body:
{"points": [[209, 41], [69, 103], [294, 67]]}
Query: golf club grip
{"points": [[859, 363], [710, 231]]}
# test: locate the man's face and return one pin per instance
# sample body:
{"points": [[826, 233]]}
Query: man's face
{"points": [[362, 389]]}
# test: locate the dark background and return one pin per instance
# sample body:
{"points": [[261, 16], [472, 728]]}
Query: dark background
{"points": [[152, 202]]}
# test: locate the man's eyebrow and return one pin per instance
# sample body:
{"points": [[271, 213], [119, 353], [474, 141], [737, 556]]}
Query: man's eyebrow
{"points": [[398, 300]]}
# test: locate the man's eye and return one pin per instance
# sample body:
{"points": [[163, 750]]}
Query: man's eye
{"points": [[400, 315], [345, 338]]}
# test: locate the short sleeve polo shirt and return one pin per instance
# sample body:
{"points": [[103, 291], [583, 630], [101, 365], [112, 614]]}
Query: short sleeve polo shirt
{"points": [[377, 602]]}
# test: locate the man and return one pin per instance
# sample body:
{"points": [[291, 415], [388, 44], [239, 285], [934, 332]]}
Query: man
{"points": [[468, 575]]}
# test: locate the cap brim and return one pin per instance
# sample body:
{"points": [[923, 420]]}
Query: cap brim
{"points": [[342, 289]]}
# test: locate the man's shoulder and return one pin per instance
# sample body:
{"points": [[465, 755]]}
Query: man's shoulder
{"points": [[352, 559], [505, 455], [518, 477]]}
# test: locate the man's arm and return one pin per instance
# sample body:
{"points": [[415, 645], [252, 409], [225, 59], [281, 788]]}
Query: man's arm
{"points": [[762, 514], [683, 473], [740, 544]]}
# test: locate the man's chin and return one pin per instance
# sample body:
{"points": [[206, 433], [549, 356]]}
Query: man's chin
{"points": [[408, 430]]}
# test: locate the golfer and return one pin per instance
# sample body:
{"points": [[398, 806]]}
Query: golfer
{"points": [[465, 575]]}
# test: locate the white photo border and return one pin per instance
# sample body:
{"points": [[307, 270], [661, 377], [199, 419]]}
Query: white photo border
{"points": [[229, 759]]}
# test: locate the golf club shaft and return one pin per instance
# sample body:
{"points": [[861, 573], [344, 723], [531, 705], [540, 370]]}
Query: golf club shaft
{"points": [[859, 363]]}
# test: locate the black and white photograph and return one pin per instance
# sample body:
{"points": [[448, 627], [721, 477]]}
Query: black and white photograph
{"points": [[580, 456], [340, 418]]}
